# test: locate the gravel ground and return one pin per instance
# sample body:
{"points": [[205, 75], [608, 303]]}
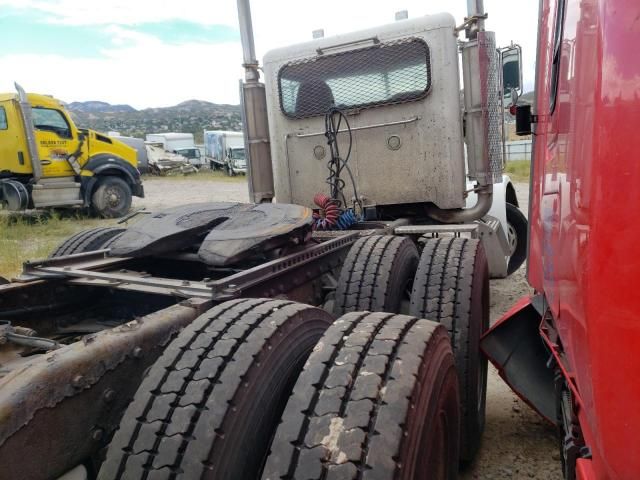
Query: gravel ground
{"points": [[517, 443]]}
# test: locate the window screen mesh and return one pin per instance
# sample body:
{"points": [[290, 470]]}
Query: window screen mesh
{"points": [[384, 74]]}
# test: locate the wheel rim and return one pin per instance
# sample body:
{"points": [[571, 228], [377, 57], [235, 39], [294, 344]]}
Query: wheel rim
{"points": [[512, 238], [114, 196]]}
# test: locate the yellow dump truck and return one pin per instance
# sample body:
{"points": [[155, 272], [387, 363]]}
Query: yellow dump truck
{"points": [[46, 161]]}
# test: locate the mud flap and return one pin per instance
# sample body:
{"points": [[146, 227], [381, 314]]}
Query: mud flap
{"points": [[516, 349]]}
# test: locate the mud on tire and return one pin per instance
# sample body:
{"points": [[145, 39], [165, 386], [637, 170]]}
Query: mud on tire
{"points": [[378, 398], [87, 241], [210, 404], [452, 288], [376, 275]]}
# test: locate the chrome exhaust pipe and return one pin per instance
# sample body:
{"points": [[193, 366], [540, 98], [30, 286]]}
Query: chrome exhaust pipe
{"points": [[255, 121]]}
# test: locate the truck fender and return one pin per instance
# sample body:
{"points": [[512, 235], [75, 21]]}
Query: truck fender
{"points": [[503, 193], [104, 164], [515, 347]]}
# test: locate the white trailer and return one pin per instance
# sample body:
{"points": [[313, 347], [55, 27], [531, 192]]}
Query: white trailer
{"points": [[180, 143], [225, 150]]}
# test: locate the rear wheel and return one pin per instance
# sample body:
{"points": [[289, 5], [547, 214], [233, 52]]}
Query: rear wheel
{"points": [[88, 241], [377, 398], [14, 195], [209, 406], [377, 275], [517, 233], [452, 288], [112, 197]]}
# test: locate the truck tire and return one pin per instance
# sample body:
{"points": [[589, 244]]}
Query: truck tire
{"points": [[210, 405], [88, 241], [378, 398], [452, 288], [377, 275], [518, 231], [111, 198]]}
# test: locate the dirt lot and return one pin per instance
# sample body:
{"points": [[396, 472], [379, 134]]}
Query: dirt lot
{"points": [[517, 443]]}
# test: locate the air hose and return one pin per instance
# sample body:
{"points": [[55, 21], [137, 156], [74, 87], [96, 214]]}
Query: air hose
{"points": [[329, 215]]}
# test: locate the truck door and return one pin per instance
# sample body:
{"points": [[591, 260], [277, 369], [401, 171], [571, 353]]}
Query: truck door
{"points": [[55, 140], [13, 148]]}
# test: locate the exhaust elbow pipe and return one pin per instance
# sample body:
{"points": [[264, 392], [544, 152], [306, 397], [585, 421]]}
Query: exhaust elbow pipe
{"points": [[465, 215]]}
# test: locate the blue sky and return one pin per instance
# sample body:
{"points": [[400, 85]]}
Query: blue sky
{"points": [[27, 32], [151, 53]]}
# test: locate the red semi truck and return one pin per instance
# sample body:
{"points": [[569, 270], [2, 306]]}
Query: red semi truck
{"points": [[572, 350]]}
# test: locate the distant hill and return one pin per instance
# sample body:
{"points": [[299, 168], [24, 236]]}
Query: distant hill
{"points": [[192, 116], [98, 107]]}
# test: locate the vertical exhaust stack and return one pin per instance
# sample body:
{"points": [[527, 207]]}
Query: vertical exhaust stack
{"points": [[27, 121], [483, 113], [253, 99]]}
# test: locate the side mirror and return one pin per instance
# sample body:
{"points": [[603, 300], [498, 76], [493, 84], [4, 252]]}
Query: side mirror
{"points": [[524, 120], [511, 59]]}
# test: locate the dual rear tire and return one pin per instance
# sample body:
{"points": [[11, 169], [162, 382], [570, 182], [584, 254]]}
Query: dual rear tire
{"points": [[271, 389], [378, 391], [449, 284]]}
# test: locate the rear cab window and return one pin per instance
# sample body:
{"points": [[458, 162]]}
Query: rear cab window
{"points": [[3, 119], [384, 74]]}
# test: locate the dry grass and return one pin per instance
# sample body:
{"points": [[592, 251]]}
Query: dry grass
{"points": [[29, 236], [204, 175], [518, 170]]}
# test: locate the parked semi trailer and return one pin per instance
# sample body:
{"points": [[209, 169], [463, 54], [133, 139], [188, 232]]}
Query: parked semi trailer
{"points": [[571, 349], [46, 161], [334, 333]]}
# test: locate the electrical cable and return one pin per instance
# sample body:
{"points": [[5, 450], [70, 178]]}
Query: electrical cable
{"points": [[333, 121]]}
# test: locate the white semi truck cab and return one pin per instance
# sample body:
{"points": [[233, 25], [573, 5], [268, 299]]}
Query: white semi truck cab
{"points": [[379, 115]]}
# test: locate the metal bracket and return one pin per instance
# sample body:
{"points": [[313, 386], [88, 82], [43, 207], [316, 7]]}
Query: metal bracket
{"points": [[89, 269], [468, 21]]}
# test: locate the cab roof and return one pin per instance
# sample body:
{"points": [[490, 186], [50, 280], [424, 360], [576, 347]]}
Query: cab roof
{"points": [[35, 99]]}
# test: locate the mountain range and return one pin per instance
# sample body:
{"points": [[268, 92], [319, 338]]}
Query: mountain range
{"points": [[192, 116]]}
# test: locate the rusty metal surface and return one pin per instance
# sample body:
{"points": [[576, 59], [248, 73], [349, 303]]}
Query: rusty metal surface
{"points": [[52, 404], [131, 281], [230, 286], [173, 229], [260, 228], [278, 271], [96, 260], [233, 231]]}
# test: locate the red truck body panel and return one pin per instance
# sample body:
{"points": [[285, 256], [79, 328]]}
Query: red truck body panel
{"points": [[584, 251]]}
